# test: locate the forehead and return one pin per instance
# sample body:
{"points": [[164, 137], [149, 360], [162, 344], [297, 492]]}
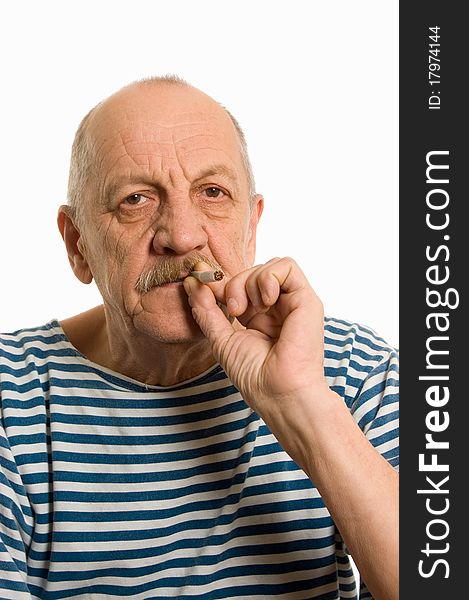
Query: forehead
{"points": [[155, 128]]}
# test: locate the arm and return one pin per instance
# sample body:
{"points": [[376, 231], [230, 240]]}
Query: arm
{"points": [[277, 364], [358, 486]]}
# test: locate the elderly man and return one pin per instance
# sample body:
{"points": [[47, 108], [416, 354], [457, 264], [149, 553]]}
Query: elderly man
{"points": [[190, 439]]}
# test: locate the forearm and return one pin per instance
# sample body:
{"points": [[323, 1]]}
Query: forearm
{"points": [[359, 487]]}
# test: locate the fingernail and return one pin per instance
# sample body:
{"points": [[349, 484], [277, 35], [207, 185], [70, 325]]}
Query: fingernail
{"points": [[232, 305], [188, 285]]}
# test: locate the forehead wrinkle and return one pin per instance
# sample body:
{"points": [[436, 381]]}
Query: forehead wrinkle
{"points": [[127, 120], [130, 154], [151, 130], [104, 185], [109, 145], [149, 149], [101, 154], [144, 133], [167, 145], [230, 159], [190, 137], [168, 121]]}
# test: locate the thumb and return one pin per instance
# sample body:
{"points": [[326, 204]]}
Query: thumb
{"points": [[208, 315]]}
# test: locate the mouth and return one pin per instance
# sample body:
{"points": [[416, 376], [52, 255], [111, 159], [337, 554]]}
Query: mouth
{"points": [[168, 273], [177, 281]]}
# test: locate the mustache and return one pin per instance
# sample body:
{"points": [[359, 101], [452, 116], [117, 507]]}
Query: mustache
{"points": [[170, 270]]}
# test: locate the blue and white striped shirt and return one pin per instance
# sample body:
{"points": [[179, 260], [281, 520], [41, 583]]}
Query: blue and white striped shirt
{"points": [[112, 488]]}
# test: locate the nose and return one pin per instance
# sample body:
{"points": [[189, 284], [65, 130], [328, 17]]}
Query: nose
{"points": [[179, 228]]}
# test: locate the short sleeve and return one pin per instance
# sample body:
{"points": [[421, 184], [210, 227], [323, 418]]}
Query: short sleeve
{"points": [[376, 407], [363, 369], [15, 525]]}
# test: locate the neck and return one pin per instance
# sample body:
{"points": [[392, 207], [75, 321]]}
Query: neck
{"points": [[133, 354]]}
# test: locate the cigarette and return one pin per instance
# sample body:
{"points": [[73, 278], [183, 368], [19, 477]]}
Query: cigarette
{"points": [[208, 276]]}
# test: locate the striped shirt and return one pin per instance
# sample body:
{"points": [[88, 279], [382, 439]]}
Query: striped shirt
{"points": [[110, 488]]}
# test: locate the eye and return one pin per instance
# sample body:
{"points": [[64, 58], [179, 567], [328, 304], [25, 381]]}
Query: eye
{"points": [[214, 192], [136, 200]]}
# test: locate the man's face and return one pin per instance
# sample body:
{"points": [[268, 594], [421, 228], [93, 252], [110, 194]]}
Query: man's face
{"points": [[171, 187]]}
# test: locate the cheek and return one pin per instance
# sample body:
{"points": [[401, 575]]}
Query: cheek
{"points": [[116, 250], [128, 258], [229, 247], [119, 258]]}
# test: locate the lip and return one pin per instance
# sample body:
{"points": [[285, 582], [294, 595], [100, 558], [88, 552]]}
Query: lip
{"points": [[180, 279], [178, 282]]}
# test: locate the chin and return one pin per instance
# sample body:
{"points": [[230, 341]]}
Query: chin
{"points": [[171, 335], [168, 322]]}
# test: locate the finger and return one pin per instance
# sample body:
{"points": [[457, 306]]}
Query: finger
{"points": [[235, 294], [240, 296], [263, 287], [279, 275], [208, 315], [281, 282], [289, 275], [253, 292], [263, 290], [300, 309], [242, 291]]}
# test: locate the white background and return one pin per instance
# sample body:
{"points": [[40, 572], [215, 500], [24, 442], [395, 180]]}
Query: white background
{"points": [[313, 84]]}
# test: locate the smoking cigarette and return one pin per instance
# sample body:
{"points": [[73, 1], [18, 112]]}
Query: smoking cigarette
{"points": [[208, 276]]}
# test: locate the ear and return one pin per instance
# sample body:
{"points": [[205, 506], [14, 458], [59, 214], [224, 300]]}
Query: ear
{"points": [[256, 212], [74, 245]]}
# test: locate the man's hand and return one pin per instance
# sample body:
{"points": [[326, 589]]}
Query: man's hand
{"points": [[280, 353]]}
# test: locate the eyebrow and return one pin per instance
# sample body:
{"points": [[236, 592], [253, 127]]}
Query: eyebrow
{"points": [[219, 169]]}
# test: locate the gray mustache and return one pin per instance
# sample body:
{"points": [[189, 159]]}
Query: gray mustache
{"points": [[169, 270]]}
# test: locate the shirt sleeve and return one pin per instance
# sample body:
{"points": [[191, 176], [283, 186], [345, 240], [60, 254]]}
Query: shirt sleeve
{"points": [[15, 525], [375, 408], [363, 368]]}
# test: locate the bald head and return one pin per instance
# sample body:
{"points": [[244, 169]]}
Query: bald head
{"points": [[171, 96]]}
